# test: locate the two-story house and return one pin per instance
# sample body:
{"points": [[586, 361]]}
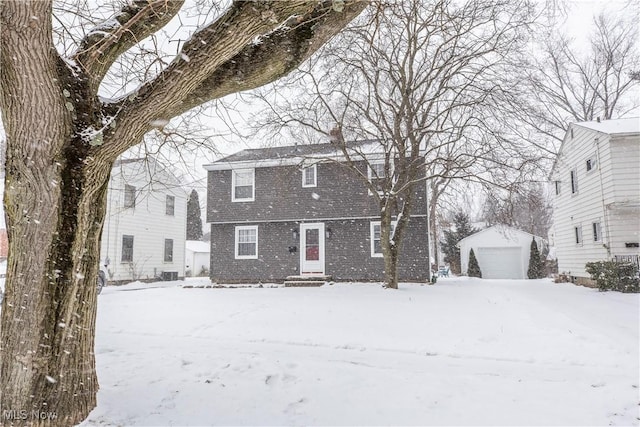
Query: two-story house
{"points": [[596, 208], [298, 210], [144, 233]]}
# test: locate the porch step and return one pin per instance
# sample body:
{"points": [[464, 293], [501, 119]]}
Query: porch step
{"points": [[306, 281]]}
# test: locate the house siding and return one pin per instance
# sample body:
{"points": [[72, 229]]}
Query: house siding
{"points": [[279, 196], [606, 194], [347, 253], [147, 222]]}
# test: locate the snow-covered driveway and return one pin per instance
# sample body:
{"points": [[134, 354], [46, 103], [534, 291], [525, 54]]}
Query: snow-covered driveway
{"points": [[463, 352]]}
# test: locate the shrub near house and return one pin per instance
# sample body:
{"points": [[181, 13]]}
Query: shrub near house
{"points": [[474, 268], [614, 276]]}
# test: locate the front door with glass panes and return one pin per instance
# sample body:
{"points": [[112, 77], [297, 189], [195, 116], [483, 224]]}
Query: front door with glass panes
{"points": [[312, 248]]}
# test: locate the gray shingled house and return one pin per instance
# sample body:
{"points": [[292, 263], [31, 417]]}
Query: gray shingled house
{"points": [[297, 210]]}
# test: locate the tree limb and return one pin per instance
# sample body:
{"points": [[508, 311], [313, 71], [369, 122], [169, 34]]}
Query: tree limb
{"points": [[107, 41], [275, 56], [276, 38]]}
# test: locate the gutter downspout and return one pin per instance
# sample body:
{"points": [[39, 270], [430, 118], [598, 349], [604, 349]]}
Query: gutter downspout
{"points": [[605, 212]]}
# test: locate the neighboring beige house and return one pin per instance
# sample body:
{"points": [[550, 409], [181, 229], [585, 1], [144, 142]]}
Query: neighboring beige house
{"points": [[596, 180], [502, 252], [144, 232]]}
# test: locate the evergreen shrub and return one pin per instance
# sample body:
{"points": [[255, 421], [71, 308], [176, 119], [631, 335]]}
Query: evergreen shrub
{"points": [[614, 276], [474, 267]]}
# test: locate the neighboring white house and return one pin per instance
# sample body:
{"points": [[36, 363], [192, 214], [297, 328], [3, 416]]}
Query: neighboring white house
{"points": [[144, 231], [596, 178], [197, 257], [502, 252]]}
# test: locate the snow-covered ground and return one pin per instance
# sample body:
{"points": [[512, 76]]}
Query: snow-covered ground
{"points": [[462, 352]]}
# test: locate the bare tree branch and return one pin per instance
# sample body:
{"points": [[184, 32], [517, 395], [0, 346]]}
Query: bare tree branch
{"points": [[104, 43]]}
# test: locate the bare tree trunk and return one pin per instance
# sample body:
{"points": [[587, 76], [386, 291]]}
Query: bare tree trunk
{"points": [[433, 228], [391, 269], [54, 218], [388, 247], [53, 343]]}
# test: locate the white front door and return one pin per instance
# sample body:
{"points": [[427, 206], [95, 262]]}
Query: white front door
{"points": [[312, 248]]}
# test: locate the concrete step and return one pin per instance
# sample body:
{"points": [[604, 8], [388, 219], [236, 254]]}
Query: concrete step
{"points": [[309, 278], [303, 283]]}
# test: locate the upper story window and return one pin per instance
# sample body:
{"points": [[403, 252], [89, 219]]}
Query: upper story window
{"points": [[574, 181], [168, 250], [170, 205], [127, 249], [129, 196], [247, 242], [578, 234], [376, 175], [243, 185], [597, 232], [591, 163], [376, 233], [310, 176], [558, 187]]}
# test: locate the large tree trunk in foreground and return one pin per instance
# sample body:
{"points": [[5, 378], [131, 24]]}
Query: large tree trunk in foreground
{"points": [[54, 207], [62, 141]]}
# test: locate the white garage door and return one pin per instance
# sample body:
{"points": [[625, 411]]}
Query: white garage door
{"points": [[500, 263]]}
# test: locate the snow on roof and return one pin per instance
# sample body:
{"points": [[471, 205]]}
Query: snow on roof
{"points": [[613, 126], [296, 153], [503, 229], [197, 246]]}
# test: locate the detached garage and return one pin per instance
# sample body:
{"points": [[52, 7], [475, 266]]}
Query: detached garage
{"points": [[502, 252]]}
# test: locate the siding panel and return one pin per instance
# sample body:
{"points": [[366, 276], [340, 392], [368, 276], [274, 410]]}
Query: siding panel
{"points": [[615, 180]]}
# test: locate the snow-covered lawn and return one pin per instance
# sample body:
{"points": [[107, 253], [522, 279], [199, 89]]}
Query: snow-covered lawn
{"points": [[462, 352]]}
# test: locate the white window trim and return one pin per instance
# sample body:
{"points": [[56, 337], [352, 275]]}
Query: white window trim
{"points": [[372, 224], [233, 185], [164, 256], [128, 189], [369, 170], [594, 164], [599, 229], [370, 174], [237, 234], [166, 205], [578, 238], [315, 176], [573, 181], [133, 242]]}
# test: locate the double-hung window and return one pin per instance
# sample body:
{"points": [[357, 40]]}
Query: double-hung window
{"points": [[574, 181], [597, 232], [578, 234], [168, 250], [127, 249], [376, 175], [129, 196], [247, 242], [243, 183], [376, 234], [170, 205], [309, 176], [591, 164]]}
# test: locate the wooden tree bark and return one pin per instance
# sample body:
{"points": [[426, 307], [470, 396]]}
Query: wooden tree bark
{"points": [[62, 141]]}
